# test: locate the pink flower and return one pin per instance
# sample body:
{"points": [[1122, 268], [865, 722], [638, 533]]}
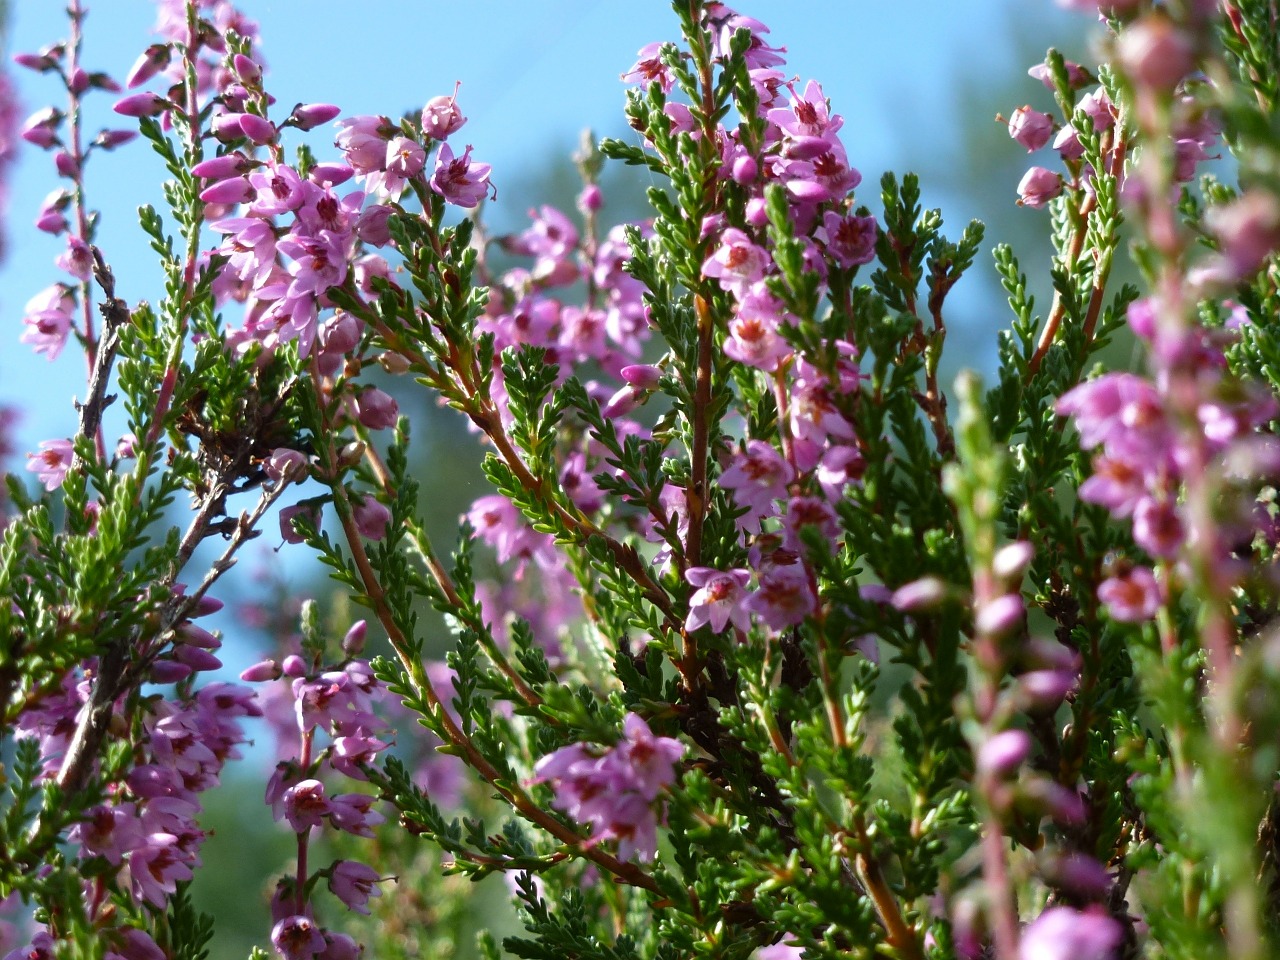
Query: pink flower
{"points": [[304, 805], [372, 518], [649, 68], [851, 241], [363, 142], [758, 478], [784, 597], [458, 180], [1132, 597], [1038, 186], [719, 598], [737, 263], [376, 409], [52, 462], [441, 116], [1031, 128], [48, 320]]}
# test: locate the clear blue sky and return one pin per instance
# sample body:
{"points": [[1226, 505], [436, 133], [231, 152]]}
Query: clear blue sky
{"points": [[534, 74]]}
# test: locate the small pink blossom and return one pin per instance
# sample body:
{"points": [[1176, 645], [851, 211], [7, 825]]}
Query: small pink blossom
{"points": [[52, 462], [737, 263], [1132, 597], [719, 598]]}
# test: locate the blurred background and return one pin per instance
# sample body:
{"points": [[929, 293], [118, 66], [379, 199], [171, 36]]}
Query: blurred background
{"points": [[919, 83]]}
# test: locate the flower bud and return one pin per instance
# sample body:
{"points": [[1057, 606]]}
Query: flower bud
{"points": [[1011, 560], [1004, 753], [999, 616], [154, 59], [144, 104], [166, 671], [372, 518], [353, 641], [308, 116], [293, 666], [919, 595], [590, 200], [261, 672], [376, 409]]}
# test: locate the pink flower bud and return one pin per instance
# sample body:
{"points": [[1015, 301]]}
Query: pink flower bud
{"points": [[309, 510], [376, 409], [293, 666], [285, 465], [331, 173], [41, 128], [144, 104], [353, 641], [1011, 560], [1155, 52], [308, 116], [643, 375], [1038, 186], [757, 212], [590, 200], [919, 595], [66, 165], [169, 671], [110, 139], [236, 190], [41, 62], [246, 69], [1031, 128], [372, 518], [220, 168], [999, 616], [257, 129], [78, 82], [1004, 753], [262, 671], [744, 170], [1042, 690], [154, 59]]}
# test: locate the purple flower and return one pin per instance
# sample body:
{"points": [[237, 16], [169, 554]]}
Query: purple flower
{"points": [[354, 883], [719, 598], [458, 180], [1062, 933], [304, 805], [297, 938]]}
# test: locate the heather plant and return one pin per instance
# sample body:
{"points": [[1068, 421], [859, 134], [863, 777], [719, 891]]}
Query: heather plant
{"points": [[763, 640]]}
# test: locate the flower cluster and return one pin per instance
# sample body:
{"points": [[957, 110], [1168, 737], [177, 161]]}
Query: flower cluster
{"points": [[615, 791]]}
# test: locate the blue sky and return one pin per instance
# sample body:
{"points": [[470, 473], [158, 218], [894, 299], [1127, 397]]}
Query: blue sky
{"points": [[533, 74]]}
